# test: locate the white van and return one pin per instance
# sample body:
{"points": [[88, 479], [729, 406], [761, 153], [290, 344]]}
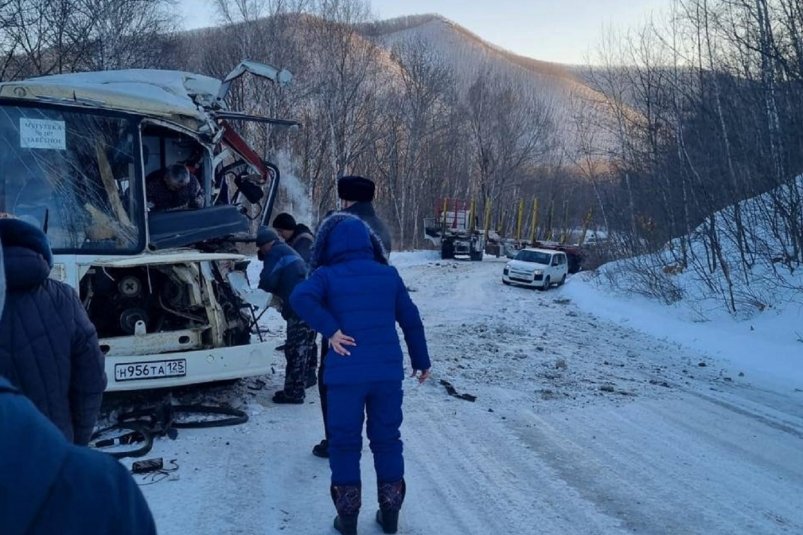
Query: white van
{"points": [[536, 268]]}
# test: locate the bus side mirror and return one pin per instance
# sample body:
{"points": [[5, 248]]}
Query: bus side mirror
{"points": [[250, 191]]}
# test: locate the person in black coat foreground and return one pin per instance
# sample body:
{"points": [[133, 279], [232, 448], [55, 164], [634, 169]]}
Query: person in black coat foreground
{"points": [[48, 485], [48, 346]]}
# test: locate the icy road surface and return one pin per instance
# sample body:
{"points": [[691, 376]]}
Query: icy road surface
{"points": [[580, 427]]}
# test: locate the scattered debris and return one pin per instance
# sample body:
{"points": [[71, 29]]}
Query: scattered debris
{"points": [[741, 374], [133, 433], [453, 392], [560, 364], [154, 471], [147, 465], [607, 388], [257, 384], [660, 383], [702, 364], [563, 301]]}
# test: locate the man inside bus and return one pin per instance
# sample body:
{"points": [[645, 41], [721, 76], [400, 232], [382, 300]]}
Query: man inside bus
{"points": [[173, 188]]}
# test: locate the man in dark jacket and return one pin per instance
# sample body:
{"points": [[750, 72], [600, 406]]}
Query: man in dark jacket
{"points": [[282, 270], [50, 486], [296, 235], [300, 238], [173, 188], [48, 347], [357, 194]]}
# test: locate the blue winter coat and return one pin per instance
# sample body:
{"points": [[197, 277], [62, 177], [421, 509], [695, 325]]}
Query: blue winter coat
{"points": [[50, 486], [48, 347], [354, 290], [282, 270]]}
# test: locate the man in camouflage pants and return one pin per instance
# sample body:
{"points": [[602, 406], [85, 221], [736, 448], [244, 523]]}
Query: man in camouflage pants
{"points": [[282, 269], [299, 348]]}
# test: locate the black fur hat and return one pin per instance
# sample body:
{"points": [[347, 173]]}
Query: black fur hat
{"points": [[355, 188]]}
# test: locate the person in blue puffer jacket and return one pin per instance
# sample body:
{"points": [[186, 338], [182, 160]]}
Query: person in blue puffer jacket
{"points": [[355, 299]]}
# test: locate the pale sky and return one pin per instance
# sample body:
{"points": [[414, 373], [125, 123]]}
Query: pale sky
{"points": [[563, 31]]}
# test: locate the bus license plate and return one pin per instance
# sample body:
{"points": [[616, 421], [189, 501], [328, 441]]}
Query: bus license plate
{"points": [[158, 369]]}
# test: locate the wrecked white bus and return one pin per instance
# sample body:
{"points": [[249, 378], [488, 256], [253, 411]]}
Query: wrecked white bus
{"points": [[163, 287]]}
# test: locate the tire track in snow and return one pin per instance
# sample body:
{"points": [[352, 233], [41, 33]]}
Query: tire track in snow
{"points": [[485, 480], [676, 466]]}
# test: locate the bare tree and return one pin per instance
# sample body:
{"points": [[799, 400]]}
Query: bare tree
{"points": [[415, 117], [130, 33], [55, 36], [510, 133], [349, 77]]}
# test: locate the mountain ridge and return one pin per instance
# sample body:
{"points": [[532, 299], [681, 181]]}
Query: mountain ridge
{"points": [[560, 87]]}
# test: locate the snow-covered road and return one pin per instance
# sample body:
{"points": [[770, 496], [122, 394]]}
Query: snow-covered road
{"points": [[580, 426]]}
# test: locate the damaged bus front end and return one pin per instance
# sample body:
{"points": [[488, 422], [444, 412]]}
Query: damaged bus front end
{"points": [[166, 288]]}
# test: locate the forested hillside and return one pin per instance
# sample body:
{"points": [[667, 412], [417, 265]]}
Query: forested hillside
{"points": [[671, 124]]}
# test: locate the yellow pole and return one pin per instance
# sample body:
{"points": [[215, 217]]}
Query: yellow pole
{"points": [[487, 216], [518, 220], [443, 213], [533, 230]]}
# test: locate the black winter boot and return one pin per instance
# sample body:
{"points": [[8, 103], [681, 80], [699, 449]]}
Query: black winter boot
{"points": [[346, 524], [391, 496], [347, 500], [283, 398], [321, 449]]}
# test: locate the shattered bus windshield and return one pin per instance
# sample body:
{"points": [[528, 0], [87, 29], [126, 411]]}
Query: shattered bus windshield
{"points": [[72, 173]]}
